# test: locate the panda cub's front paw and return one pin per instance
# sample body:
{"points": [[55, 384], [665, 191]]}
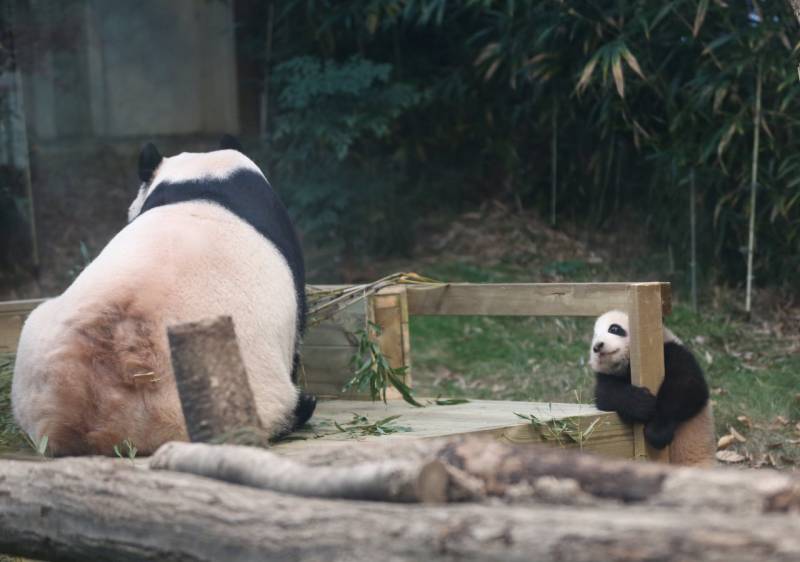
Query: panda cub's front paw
{"points": [[639, 407]]}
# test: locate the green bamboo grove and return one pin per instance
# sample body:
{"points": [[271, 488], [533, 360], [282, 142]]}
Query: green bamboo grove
{"points": [[586, 111]]}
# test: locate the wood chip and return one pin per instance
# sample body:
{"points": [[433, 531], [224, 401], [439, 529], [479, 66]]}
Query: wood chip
{"points": [[736, 435], [729, 457], [780, 420], [725, 441]]}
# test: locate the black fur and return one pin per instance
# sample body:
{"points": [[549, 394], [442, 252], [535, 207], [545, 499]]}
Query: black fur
{"points": [[683, 394], [306, 404], [230, 142], [149, 159], [249, 196], [615, 393]]}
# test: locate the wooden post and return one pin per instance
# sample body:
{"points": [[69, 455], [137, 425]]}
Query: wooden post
{"points": [[647, 354], [389, 310], [212, 382]]}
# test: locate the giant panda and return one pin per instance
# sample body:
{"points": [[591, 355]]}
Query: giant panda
{"points": [[678, 415], [206, 236]]}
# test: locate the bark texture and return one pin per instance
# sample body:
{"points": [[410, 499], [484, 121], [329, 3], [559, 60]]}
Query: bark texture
{"points": [[204, 354], [392, 480], [104, 509]]}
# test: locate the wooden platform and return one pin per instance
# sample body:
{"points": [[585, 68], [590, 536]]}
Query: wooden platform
{"points": [[329, 348], [567, 425]]}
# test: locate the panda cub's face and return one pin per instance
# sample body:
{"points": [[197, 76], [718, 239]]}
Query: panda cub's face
{"points": [[610, 351]]}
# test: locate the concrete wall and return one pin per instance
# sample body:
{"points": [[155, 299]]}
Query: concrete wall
{"points": [[132, 68]]}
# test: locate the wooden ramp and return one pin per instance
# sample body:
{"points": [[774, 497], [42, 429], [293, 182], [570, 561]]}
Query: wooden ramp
{"points": [[567, 425]]}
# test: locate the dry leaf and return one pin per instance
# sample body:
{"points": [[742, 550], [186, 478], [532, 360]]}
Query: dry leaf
{"points": [[729, 456], [725, 441], [780, 420], [772, 460], [797, 427], [736, 435], [774, 445], [744, 420], [709, 358]]}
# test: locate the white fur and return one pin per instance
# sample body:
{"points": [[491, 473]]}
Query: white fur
{"points": [[615, 355], [177, 263], [190, 166]]}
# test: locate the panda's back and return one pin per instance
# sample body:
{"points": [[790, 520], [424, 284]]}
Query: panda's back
{"points": [[175, 263]]}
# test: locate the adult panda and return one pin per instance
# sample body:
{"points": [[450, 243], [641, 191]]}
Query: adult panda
{"points": [[678, 415], [207, 236]]}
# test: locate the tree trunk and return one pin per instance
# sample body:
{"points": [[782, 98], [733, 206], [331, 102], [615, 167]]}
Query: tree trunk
{"points": [[105, 509], [212, 382]]}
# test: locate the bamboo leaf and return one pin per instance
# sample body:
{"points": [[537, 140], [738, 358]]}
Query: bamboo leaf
{"points": [[586, 74], [699, 17], [632, 62], [619, 78]]}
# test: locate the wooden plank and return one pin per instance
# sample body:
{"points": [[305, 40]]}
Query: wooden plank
{"points": [[520, 299], [494, 418], [12, 316], [389, 310], [647, 353]]}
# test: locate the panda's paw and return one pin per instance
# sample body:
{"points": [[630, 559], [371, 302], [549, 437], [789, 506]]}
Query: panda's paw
{"points": [[306, 404], [659, 434], [639, 406]]}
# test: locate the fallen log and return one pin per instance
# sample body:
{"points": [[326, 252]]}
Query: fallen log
{"points": [[107, 509], [469, 468], [394, 480]]}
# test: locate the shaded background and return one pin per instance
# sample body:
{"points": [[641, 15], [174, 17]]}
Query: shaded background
{"points": [[382, 123]]}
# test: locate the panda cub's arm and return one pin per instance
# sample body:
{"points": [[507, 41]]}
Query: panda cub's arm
{"points": [[633, 404], [683, 394]]}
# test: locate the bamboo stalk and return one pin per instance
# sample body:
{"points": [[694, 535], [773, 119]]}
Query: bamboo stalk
{"points": [[751, 239], [554, 167], [693, 233]]}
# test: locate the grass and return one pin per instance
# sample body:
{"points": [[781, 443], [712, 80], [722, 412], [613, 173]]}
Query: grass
{"points": [[11, 438], [753, 374]]}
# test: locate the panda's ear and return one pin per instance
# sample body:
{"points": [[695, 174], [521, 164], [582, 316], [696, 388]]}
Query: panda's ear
{"points": [[149, 159], [229, 142]]}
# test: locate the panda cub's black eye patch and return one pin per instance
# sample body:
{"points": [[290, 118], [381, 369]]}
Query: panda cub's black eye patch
{"points": [[617, 330]]}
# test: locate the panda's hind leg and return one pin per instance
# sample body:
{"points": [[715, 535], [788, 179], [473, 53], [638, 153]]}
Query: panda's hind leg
{"points": [[660, 432]]}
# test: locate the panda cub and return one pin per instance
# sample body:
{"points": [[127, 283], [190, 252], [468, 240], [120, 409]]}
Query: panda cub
{"points": [[207, 236], [679, 414]]}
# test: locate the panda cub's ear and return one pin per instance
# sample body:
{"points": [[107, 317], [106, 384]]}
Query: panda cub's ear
{"points": [[229, 142], [149, 159]]}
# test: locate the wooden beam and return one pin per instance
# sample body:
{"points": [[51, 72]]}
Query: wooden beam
{"points": [[12, 316], [647, 353], [212, 382], [521, 299], [389, 310]]}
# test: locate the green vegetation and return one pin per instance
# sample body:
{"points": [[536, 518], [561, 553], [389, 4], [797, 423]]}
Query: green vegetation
{"points": [[588, 110], [11, 438]]}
